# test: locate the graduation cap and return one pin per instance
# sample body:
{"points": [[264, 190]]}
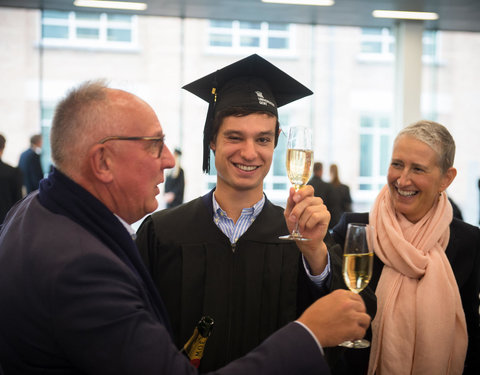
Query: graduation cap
{"points": [[252, 83]]}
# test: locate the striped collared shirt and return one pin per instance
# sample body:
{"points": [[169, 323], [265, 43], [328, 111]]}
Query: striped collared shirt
{"points": [[235, 230]]}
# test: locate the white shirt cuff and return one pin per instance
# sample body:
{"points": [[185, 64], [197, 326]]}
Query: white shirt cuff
{"points": [[318, 280]]}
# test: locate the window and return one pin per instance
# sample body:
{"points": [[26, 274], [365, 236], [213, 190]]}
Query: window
{"points": [[250, 36], [374, 151], [47, 113], [379, 44], [82, 29], [431, 42]]}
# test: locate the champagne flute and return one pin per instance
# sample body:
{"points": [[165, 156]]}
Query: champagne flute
{"points": [[299, 165], [358, 265]]}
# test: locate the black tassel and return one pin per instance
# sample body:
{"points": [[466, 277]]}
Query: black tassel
{"points": [[208, 129]]}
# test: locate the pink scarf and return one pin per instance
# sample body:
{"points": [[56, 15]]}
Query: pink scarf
{"points": [[420, 324]]}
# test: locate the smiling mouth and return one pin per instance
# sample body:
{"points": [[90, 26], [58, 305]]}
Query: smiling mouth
{"points": [[406, 193], [246, 168]]}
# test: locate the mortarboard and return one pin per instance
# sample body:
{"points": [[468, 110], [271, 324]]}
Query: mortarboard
{"points": [[251, 83]]}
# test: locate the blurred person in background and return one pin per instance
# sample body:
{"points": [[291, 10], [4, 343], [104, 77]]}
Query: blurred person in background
{"points": [[342, 192], [10, 184], [325, 190], [175, 182], [30, 164]]}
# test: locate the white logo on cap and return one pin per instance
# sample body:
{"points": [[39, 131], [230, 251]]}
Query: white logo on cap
{"points": [[262, 100]]}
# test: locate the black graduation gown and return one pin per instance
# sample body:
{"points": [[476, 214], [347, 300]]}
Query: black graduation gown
{"points": [[250, 290]]}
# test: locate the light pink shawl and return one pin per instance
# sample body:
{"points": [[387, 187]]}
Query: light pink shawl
{"points": [[420, 324]]}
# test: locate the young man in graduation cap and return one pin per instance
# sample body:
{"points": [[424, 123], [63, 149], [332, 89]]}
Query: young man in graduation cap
{"points": [[220, 255]]}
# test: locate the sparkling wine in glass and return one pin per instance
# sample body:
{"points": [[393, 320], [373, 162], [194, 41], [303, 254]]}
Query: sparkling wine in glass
{"points": [[299, 165], [358, 265]]}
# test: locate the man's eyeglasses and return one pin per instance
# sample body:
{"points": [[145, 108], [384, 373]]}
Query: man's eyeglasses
{"points": [[157, 142]]}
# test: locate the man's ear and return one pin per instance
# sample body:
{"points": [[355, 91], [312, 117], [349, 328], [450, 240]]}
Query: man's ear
{"points": [[212, 146], [101, 163]]}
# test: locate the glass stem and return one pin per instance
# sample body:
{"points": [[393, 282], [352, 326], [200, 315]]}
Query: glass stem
{"points": [[295, 231]]}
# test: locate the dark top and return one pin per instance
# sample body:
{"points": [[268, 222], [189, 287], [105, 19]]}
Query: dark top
{"points": [[10, 188], [31, 169], [176, 185], [325, 191], [344, 200], [463, 252], [71, 305], [250, 289]]}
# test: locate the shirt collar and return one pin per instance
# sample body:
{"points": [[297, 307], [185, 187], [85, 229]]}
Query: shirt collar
{"points": [[127, 226], [254, 210]]}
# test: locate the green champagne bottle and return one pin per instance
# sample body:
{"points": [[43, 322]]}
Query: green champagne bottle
{"points": [[195, 346]]}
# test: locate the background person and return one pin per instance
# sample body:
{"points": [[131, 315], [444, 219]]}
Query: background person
{"points": [[175, 182], [343, 194], [83, 303], [325, 191], [10, 184], [426, 272], [30, 164], [220, 255]]}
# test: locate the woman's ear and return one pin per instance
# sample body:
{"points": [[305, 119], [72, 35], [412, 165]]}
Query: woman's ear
{"points": [[100, 163], [448, 178], [212, 146]]}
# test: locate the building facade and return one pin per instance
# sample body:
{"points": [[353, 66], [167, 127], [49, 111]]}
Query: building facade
{"points": [[351, 71]]}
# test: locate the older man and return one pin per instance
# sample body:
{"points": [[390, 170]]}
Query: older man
{"points": [[75, 297]]}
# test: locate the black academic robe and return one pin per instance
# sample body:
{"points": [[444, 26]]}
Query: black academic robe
{"points": [[250, 289], [463, 252]]}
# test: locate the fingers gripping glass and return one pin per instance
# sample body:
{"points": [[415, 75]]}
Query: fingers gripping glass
{"points": [[157, 141], [358, 265]]}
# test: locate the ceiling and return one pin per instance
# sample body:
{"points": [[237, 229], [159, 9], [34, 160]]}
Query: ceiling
{"points": [[459, 15]]}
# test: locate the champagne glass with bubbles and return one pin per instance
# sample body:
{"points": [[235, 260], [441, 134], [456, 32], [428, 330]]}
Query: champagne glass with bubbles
{"points": [[299, 165], [358, 265]]}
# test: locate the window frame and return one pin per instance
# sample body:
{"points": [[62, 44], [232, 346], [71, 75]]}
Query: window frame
{"points": [[103, 24], [264, 33]]}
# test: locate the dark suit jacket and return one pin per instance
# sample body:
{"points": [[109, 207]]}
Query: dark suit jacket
{"points": [[463, 252], [69, 305], [325, 191], [175, 185], [10, 188], [31, 169]]}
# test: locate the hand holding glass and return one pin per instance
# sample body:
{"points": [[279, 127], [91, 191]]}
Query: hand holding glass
{"points": [[358, 265], [299, 165]]}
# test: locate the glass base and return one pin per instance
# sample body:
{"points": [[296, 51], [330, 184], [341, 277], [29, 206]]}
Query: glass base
{"points": [[293, 237], [357, 344]]}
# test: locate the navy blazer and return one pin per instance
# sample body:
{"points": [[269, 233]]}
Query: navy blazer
{"points": [[69, 305], [463, 252]]}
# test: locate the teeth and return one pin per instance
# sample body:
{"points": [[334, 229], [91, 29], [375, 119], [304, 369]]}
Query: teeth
{"points": [[406, 193], [246, 168]]}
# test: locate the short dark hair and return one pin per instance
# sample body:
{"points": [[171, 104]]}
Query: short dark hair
{"points": [[239, 112], [34, 139], [317, 167]]}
